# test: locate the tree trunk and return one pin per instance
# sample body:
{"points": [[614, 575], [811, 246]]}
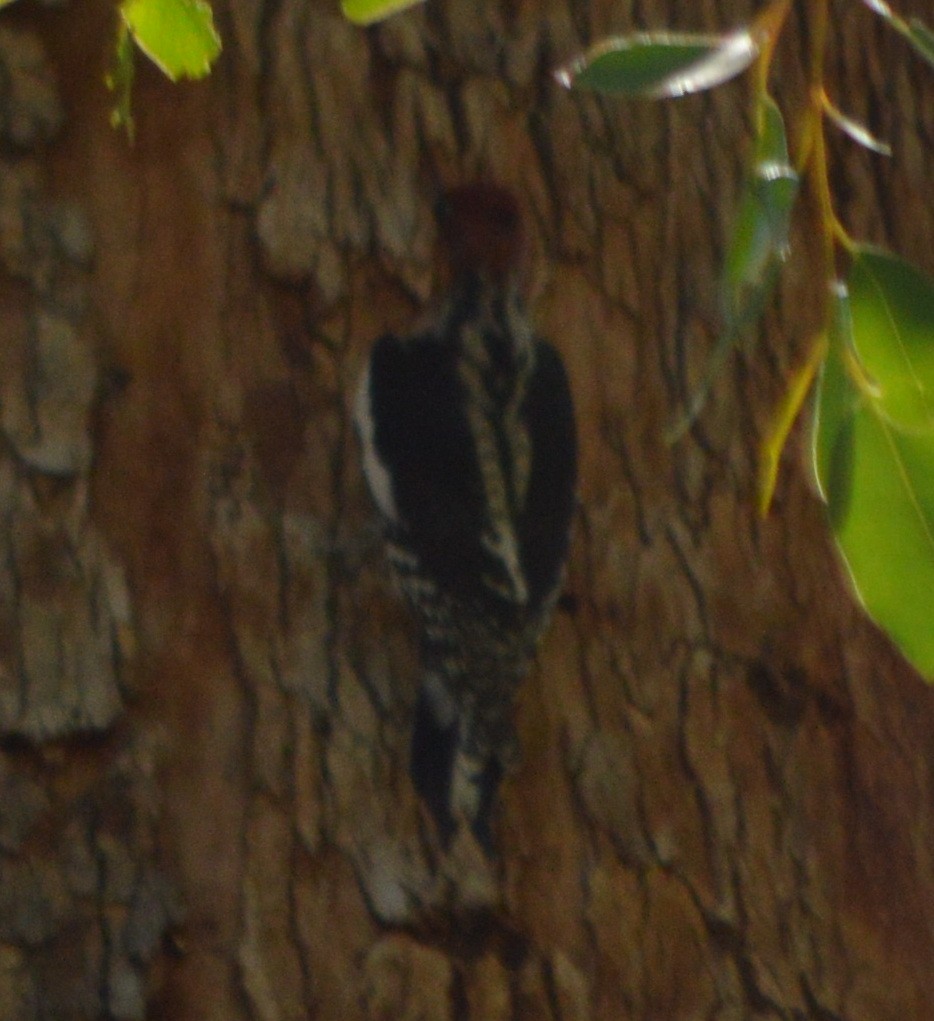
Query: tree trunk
{"points": [[724, 806]]}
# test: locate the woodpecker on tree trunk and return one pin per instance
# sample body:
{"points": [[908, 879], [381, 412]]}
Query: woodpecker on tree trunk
{"points": [[470, 454]]}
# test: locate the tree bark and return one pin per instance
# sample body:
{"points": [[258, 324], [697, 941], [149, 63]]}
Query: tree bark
{"points": [[724, 807]]}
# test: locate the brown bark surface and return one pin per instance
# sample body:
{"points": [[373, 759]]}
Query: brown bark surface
{"points": [[725, 806]]}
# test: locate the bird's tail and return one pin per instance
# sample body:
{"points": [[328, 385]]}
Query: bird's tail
{"points": [[455, 785]]}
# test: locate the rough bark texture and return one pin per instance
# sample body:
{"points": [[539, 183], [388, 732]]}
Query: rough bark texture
{"points": [[725, 808]]}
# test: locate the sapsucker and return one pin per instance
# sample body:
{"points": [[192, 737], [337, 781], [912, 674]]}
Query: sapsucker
{"points": [[470, 453]]}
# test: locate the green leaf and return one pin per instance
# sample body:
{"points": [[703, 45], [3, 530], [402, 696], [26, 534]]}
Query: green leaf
{"points": [[660, 65], [893, 335], [756, 250], [178, 36], [914, 30], [922, 39], [859, 133], [120, 81], [759, 243], [771, 142], [878, 482], [366, 12], [5, 3], [837, 402], [887, 534]]}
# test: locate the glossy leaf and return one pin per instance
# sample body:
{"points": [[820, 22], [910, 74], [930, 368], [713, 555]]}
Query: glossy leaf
{"points": [[887, 534], [178, 36], [878, 482], [914, 30], [660, 65], [759, 243], [771, 141], [838, 400], [859, 133], [893, 335], [756, 250], [367, 12], [922, 39]]}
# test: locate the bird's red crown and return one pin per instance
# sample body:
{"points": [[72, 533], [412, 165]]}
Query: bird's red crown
{"points": [[480, 231]]}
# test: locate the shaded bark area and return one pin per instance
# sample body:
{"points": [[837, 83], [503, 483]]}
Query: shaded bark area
{"points": [[724, 807]]}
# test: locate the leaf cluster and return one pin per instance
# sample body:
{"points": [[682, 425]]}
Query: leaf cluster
{"points": [[873, 427]]}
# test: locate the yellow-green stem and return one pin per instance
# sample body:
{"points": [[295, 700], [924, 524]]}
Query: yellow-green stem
{"points": [[818, 173], [819, 179], [768, 26], [820, 24]]}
